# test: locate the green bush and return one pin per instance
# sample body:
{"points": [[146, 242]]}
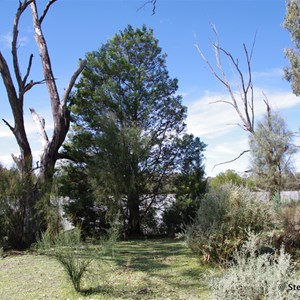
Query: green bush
{"points": [[288, 233], [75, 266], [224, 216], [67, 248], [179, 215], [255, 277], [108, 242]]}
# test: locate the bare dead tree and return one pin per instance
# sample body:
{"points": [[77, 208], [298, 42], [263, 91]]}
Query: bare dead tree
{"points": [[59, 105], [243, 102]]}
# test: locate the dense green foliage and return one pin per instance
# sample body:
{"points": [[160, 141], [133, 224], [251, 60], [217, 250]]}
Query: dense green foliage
{"points": [[128, 127], [230, 176], [81, 209], [222, 221], [189, 186], [16, 195], [292, 24], [271, 150]]}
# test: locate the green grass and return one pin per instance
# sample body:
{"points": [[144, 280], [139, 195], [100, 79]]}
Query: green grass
{"points": [[151, 269]]}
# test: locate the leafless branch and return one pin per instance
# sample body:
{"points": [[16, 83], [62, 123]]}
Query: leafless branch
{"points": [[28, 70], [245, 106], [9, 85], [230, 161], [40, 123], [46, 10], [32, 83], [71, 83], [46, 64], [8, 125], [153, 2], [222, 101], [21, 9], [266, 100]]}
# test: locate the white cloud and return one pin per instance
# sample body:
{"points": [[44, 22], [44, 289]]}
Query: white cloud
{"points": [[209, 119], [225, 142], [273, 73], [6, 39]]}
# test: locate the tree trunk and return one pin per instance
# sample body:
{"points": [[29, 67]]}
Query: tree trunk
{"points": [[33, 200], [134, 222]]}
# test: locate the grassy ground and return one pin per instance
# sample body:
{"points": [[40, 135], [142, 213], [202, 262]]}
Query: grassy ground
{"points": [[151, 269]]}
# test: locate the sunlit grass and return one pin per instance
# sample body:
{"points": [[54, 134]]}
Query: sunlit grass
{"points": [[151, 269]]}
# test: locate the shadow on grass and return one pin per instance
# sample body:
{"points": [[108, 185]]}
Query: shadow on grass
{"points": [[149, 255], [114, 293], [163, 261]]}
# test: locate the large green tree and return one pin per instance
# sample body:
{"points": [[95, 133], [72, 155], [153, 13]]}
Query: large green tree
{"points": [[128, 123], [292, 24], [271, 151]]}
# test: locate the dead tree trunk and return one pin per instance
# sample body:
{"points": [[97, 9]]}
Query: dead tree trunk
{"points": [[37, 185]]}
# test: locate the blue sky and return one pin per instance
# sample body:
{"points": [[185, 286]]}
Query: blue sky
{"points": [[74, 27]]}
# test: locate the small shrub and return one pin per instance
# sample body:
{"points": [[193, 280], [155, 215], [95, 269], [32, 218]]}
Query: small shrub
{"points": [[222, 220], [45, 242], [108, 242], [289, 235], [255, 277], [75, 266], [66, 248], [277, 202]]}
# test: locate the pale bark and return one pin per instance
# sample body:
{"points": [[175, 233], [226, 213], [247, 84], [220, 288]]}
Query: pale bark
{"points": [[244, 104], [60, 112]]}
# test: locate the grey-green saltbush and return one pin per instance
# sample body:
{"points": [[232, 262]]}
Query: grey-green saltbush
{"points": [[224, 216], [256, 277]]}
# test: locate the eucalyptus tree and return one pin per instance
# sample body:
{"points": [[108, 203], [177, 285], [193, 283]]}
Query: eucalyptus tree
{"points": [[33, 218], [128, 123]]}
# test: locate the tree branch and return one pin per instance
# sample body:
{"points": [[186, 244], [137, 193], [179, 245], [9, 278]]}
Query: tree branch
{"points": [[46, 10], [31, 84], [21, 9], [10, 88], [28, 69], [153, 2], [8, 125], [46, 64], [222, 101], [40, 123], [66, 156], [229, 161], [246, 114], [71, 83]]}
